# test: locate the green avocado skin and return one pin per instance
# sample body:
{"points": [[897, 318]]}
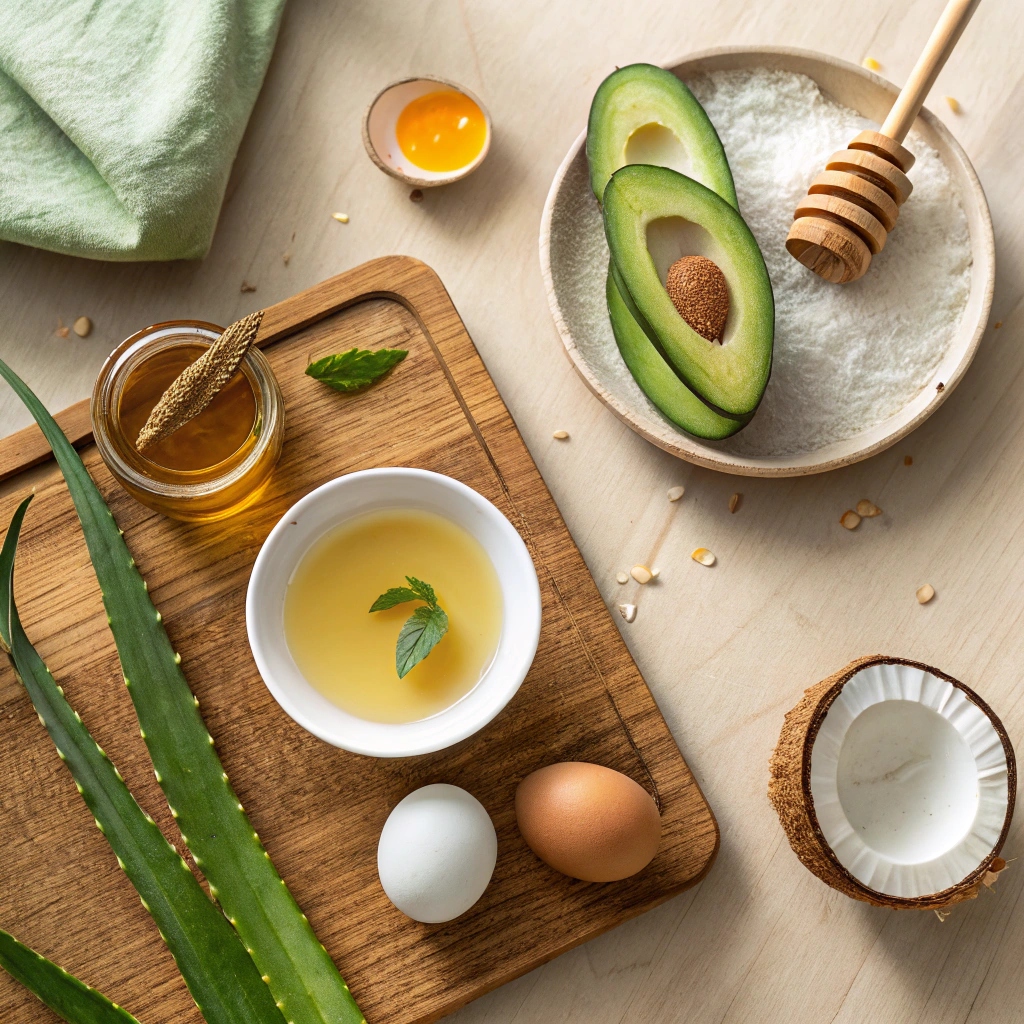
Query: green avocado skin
{"points": [[729, 377], [642, 94], [654, 375]]}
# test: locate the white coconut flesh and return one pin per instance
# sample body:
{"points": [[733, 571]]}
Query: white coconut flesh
{"points": [[909, 781]]}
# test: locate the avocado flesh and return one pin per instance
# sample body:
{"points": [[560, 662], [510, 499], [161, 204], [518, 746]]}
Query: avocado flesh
{"points": [[638, 201], [656, 378], [642, 114]]}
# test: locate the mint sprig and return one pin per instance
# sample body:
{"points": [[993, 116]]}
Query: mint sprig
{"points": [[356, 369], [422, 630]]}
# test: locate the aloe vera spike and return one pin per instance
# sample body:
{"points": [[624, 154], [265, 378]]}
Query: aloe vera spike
{"points": [[69, 998], [301, 974], [219, 973]]}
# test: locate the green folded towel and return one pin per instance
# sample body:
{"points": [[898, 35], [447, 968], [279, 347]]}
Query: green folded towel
{"points": [[119, 120]]}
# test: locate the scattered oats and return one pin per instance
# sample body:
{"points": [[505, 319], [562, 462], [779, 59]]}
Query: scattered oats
{"points": [[925, 593], [641, 574], [622, 577], [341, 218], [416, 195], [849, 520], [675, 493], [940, 386], [943, 914], [871, 64], [286, 257], [734, 501], [868, 509], [561, 435], [908, 460], [997, 325], [83, 327], [703, 556], [655, 572], [246, 287], [628, 611], [62, 331], [953, 104]]}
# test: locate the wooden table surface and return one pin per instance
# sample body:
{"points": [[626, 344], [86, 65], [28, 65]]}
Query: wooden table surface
{"points": [[793, 597]]}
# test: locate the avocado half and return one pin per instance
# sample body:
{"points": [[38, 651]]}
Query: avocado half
{"points": [[642, 114], [656, 378], [649, 207]]}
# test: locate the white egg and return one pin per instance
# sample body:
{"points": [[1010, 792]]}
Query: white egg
{"points": [[436, 853]]}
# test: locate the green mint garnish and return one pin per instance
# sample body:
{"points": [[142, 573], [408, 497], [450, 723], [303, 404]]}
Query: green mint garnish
{"points": [[422, 630], [356, 369]]}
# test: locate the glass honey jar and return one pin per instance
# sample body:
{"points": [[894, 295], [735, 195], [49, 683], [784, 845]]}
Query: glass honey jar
{"points": [[212, 466]]}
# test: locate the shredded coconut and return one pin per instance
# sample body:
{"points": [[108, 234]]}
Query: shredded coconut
{"points": [[846, 356]]}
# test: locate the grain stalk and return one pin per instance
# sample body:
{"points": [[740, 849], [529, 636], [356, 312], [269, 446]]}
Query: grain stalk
{"points": [[219, 973], [301, 974], [69, 998]]}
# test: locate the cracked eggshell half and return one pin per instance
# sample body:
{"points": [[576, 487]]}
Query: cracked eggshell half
{"points": [[895, 784], [381, 140]]}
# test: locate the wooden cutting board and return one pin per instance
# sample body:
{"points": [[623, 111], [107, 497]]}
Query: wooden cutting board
{"points": [[320, 810]]}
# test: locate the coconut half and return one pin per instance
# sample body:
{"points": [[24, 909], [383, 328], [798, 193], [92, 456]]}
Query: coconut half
{"points": [[895, 784]]}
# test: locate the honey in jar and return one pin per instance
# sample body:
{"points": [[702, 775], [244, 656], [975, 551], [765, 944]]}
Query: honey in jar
{"points": [[213, 465]]}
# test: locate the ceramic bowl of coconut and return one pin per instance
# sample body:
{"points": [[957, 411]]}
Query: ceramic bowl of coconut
{"points": [[766, 369]]}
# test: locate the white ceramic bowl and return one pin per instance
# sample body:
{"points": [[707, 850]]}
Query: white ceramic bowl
{"points": [[353, 495], [563, 237], [381, 142]]}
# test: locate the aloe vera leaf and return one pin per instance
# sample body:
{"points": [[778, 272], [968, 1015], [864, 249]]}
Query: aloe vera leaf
{"points": [[219, 973], [301, 974], [63, 993]]}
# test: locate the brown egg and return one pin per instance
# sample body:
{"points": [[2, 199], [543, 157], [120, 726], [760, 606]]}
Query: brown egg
{"points": [[587, 821]]}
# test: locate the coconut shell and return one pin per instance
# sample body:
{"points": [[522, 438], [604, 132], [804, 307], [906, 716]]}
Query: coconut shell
{"points": [[789, 790]]}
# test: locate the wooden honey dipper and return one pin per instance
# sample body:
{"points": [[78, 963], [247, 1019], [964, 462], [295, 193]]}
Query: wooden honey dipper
{"points": [[851, 207]]}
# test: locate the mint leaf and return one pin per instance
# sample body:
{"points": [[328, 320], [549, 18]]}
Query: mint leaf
{"points": [[396, 595], [424, 591], [420, 635], [422, 630], [356, 369]]}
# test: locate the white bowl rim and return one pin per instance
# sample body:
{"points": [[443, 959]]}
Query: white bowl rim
{"points": [[839, 453], [506, 672]]}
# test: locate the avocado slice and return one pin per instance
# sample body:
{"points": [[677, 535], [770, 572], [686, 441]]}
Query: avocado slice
{"points": [[642, 114], [654, 375], [654, 215]]}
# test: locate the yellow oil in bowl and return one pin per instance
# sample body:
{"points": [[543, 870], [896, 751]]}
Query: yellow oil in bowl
{"points": [[348, 653]]}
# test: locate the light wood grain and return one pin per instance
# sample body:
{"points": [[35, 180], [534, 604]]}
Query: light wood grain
{"points": [[874, 168], [319, 810], [876, 142], [868, 227], [828, 246], [859, 191], [944, 37], [832, 252], [793, 597]]}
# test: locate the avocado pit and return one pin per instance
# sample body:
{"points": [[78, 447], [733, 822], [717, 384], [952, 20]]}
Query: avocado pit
{"points": [[698, 290]]}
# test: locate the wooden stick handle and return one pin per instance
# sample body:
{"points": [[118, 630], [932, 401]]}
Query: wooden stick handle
{"points": [[940, 45]]}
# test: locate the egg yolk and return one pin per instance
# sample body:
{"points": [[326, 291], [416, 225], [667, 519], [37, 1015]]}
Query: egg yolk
{"points": [[441, 131]]}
